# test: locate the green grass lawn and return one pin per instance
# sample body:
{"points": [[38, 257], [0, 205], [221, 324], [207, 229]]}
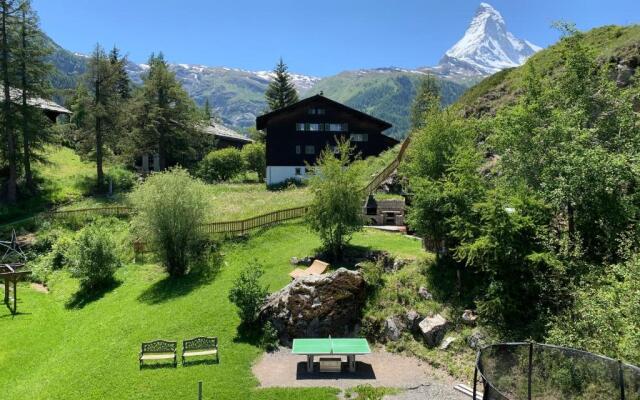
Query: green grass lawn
{"points": [[53, 351]]}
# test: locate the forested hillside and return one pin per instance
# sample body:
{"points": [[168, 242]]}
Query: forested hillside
{"points": [[614, 47], [383, 93], [528, 187]]}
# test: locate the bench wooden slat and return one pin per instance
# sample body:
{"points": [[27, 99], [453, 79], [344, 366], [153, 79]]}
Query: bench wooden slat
{"points": [[157, 356], [199, 353]]}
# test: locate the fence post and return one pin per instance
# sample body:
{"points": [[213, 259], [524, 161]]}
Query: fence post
{"points": [[621, 380], [475, 376], [530, 370], [199, 390]]}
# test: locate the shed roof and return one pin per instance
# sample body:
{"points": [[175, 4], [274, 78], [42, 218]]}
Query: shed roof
{"points": [[39, 102], [220, 131]]}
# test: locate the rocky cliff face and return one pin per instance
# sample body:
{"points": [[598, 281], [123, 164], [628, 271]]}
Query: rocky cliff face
{"points": [[317, 306]]}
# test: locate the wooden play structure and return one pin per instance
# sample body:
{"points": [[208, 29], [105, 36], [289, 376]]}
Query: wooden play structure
{"points": [[12, 269]]}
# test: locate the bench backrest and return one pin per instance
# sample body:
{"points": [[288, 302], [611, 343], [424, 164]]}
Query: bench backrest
{"points": [[159, 346], [200, 343]]}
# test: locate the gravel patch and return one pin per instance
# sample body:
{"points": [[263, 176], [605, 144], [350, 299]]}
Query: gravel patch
{"points": [[380, 368]]}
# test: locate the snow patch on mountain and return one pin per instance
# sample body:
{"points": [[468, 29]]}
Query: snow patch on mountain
{"points": [[486, 47]]}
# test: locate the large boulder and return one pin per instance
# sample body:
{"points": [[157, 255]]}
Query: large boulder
{"points": [[411, 320], [433, 329], [316, 305]]}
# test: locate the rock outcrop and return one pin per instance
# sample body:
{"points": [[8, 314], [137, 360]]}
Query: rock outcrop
{"points": [[316, 306]]}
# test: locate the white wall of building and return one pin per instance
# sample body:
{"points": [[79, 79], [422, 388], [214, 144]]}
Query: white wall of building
{"points": [[278, 174]]}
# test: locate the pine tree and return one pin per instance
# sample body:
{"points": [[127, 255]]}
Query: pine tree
{"points": [[96, 108], [164, 119], [207, 110], [427, 96], [8, 9], [281, 91], [32, 81], [122, 80]]}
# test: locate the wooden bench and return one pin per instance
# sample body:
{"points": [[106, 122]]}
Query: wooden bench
{"points": [[159, 350], [330, 364], [316, 268], [200, 347]]}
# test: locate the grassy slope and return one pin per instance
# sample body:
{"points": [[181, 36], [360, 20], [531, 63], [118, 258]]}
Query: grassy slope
{"points": [[91, 353], [501, 88], [64, 177]]}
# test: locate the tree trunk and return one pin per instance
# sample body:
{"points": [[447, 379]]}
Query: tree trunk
{"points": [[99, 171], [6, 109], [26, 144]]}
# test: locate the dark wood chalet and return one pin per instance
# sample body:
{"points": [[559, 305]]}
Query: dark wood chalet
{"points": [[296, 134]]}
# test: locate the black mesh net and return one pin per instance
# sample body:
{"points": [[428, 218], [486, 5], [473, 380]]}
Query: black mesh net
{"points": [[556, 373]]}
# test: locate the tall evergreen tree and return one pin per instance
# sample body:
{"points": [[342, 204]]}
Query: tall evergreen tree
{"points": [[8, 9], [95, 108], [32, 71], [122, 80], [207, 110], [427, 97], [281, 91], [164, 119]]}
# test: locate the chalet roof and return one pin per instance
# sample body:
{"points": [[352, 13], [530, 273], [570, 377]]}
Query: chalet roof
{"points": [[263, 120], [220, 131], [39, 102]]}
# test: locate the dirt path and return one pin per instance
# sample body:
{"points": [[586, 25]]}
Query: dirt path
{"points": [[283, 369]]}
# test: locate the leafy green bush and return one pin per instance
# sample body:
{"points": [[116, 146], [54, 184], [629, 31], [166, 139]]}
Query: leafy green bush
{"points": [[248, 294], [170, 207], [93, 257], [336, 210], [270, 337], [221, 165], [605, 317], [255, 158], [123, 180]]}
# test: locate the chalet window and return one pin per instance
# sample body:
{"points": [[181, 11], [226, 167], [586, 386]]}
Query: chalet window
{"points": [[309, 149], [300, 127], [359, 137], [315, 127], [316, 111], [333, 127], [298, 171], [298, 149]]}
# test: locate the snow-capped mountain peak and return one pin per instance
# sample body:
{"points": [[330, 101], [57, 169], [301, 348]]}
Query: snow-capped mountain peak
{"points": [[487, 46]]}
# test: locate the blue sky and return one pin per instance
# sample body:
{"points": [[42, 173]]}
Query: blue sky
{"points": [[316, 38]]}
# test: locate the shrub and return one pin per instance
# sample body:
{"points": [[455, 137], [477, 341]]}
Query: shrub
{"points": [[336, 210], [123, 180], [269, 337], [255, 158], [221, 165], [248, 294], [93, 257], [170, 208]]}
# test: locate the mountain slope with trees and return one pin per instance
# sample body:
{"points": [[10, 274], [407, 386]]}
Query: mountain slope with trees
{"points": [[617, 47]]}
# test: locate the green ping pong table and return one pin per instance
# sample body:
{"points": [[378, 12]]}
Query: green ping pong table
{"points": [[349, 347]]}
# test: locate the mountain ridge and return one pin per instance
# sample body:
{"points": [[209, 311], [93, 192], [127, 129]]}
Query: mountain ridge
{"points": [[237, 95]]}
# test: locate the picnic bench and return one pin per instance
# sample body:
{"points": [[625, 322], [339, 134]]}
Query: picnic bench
{"points": [[316, 268], [159, 350], [200, 347]]}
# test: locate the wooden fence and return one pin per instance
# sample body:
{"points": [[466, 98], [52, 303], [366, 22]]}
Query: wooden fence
{"points": [[242, 226], [246, 225], [116, 211], [388, 171]]}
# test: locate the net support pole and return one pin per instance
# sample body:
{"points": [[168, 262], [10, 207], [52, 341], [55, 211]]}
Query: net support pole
{"points": [[199, 390], [529, 373], [621, 380]]}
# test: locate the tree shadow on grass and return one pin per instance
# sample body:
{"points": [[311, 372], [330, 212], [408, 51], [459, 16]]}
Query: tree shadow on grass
{"points": [[173, 287], [86, 296], [249, 334]]}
